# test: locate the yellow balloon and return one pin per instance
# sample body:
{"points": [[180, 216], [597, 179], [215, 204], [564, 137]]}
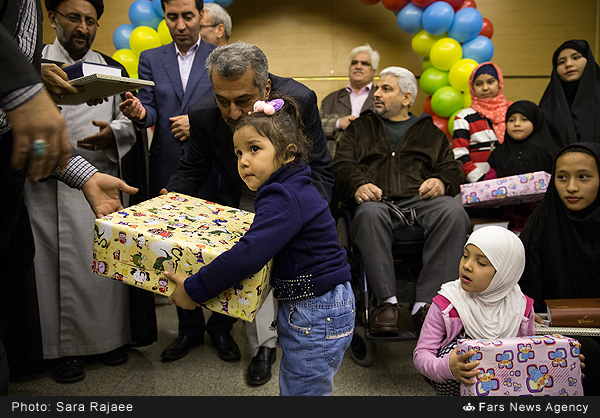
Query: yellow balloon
{"points": [[444, 53], [128, 59], [143, 38], [468, 99], [163, 32], [460, 72], [423, 41]]}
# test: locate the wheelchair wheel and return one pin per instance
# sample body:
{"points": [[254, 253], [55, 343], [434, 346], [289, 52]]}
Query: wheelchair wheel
{"points": [[363, 352]]}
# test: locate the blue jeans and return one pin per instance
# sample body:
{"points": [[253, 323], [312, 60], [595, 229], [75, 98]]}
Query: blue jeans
{"points": [[313, 335]]}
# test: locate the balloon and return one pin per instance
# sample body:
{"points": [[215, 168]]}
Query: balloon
{"points": [[143, 38], [433, 79], [394, 5], [487, 29], [426, 63], [427, 106], [468, 3], [451, 122], [442, 124], [459, 73], [455, 4], [446, 100], [438, 18], [225, 3], [480, 49], [466, 25], [409, 18], [121, 36], [163, 33], [158, 8], [128, 59], [142, 13], [423, 41], [422, 3], [444, 53], [467, 96], [370, 2]]}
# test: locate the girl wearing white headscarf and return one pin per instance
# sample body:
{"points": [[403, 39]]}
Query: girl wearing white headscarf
{"points": [[500, 310]]}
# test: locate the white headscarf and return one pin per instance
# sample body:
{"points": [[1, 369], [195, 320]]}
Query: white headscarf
{"points": [[496, 312]]}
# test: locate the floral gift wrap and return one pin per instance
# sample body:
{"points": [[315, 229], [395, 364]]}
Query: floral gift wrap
{"points": [[528, 366], [529, 187], [181, 234]]}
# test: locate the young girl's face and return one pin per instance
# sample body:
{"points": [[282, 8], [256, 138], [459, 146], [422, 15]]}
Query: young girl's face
{"points": [[256, 157], [570, 64], [476, 271], [576, 180], [519, 127], [485, 86]]}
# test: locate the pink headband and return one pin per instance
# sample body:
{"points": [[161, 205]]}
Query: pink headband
{"points": [[268, 108]]}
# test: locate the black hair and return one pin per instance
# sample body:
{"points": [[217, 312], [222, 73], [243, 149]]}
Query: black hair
{"points": [[199, 4], [283, 128]]}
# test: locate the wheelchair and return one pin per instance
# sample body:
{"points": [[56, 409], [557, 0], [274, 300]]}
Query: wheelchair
{"points": [[407, 249]]}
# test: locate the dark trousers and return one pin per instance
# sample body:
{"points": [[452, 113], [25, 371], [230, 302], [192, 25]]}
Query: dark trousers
{"points": [[192, 324]]}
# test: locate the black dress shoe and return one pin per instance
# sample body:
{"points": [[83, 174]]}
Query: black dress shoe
{"points": [[259, 370], [114, 357], [180, 347], [227, 348]]}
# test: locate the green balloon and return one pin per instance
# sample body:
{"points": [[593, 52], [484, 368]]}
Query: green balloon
{"points": [[432, 79], [447, 100]]}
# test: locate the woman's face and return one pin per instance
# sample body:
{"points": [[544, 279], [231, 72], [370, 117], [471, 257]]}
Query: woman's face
{"points": [[485, 86], [577, 180], [570, 64], [519, 127]]}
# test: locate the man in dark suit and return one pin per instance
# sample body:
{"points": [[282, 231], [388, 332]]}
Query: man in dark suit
{"points": [[179, 73], [240, 76], [342, 106]]}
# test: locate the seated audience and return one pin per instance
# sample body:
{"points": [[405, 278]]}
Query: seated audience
{"points": [[562, 242], [478, 129], [571, 102], [341, 107], [389, 160]]}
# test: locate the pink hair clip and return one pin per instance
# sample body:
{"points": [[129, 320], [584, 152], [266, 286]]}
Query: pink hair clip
{"points": [[268, 108]]}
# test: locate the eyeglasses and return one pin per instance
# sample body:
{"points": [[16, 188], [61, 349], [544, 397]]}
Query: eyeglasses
{"points": [[209, 26], [75, 18]]}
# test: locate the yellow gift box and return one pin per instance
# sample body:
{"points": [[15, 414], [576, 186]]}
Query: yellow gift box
{"points": [[179, 233]]}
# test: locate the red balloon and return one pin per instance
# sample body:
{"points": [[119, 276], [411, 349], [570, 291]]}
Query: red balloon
{"points": [[442, 123], [468, 3], [423, 3], [394, 5], [455, 4], [370, 2], [427, 106], [487, 29]]}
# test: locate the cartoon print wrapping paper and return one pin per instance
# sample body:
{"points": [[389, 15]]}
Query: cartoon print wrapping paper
{"points": [[179, 233]]}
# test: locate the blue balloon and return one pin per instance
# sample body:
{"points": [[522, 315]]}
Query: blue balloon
{"points": [[480, 49], [409, 18], [466, 25], [121, 36], [223, 3], [438, 17], [142, 13], [158, 8]]}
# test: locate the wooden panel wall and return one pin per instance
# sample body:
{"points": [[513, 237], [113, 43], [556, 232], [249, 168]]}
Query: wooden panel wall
{"points": [[310, 39]]}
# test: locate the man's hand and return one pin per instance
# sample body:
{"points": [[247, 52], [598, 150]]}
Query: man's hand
{"points": [[57, 81], [39, 118], [345, 121], [163, 191], [432, 188], [103, 139], [102, 193], [179, 296], [180, 127], [368, 193], [463, 372], [132, 108]]}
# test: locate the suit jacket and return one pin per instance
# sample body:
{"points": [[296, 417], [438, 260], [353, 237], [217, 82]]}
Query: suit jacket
{"points": [[211, 143], [167, 99], [337, 105]]}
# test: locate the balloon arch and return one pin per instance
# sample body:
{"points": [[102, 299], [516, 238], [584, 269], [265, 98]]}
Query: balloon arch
{"points": [[451, 36]]}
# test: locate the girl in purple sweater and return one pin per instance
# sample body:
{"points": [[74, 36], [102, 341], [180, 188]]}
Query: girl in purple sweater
{"points": [[294, 227], [485, 302]]}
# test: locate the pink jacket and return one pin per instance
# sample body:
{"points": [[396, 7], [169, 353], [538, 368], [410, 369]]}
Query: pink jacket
{"points": [[442, 325]]}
